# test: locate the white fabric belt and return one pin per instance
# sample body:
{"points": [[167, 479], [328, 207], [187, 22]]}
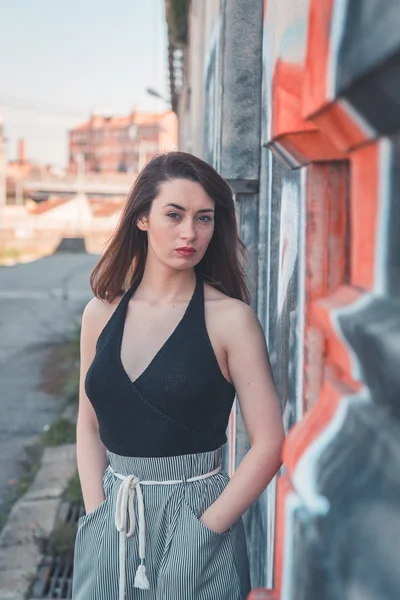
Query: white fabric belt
{"points": [[124, 506]]}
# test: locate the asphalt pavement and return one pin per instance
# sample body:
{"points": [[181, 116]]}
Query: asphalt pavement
{"points": [[41, 305]]}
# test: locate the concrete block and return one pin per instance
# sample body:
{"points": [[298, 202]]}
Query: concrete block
{"points": [[22, 556], [58, 465], [27, 520], [15, 583]]}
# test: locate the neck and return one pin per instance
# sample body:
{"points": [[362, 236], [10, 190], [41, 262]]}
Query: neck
{"points": [[160, 283]]}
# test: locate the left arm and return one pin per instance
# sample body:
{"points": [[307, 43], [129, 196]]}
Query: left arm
{"points": [[251, 374]]}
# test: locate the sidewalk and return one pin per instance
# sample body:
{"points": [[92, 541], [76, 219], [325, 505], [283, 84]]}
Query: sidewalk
{"points": [[41, 304], [33, 515]]}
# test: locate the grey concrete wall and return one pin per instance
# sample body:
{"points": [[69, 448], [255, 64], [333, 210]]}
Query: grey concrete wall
{"points": [[231, 143], [203, 17]]}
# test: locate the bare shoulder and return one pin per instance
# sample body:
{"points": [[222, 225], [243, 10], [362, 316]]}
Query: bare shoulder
{"points": [[97, 313], [231, 314]]}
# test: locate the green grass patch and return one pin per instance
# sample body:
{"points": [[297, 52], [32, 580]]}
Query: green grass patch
{"points": [[75, 343], [62, 539], [71, 390], [30, 464], [61, 431], [9, 253], [73, 490], [177, 19]]}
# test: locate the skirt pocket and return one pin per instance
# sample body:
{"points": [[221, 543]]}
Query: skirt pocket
{"points": [[193, 514], [200, 563], [107, 481], [202, 494]]}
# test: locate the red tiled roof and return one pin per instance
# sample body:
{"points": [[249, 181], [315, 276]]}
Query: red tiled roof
{"points": [[107, 210], [104, 208], [100, 208], [43, 207]]}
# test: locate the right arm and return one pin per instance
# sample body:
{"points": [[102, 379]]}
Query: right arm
{"points": [[91, 452]]}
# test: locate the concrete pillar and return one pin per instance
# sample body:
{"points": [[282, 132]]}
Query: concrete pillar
{"points": [[233, 136], [238, 157]]}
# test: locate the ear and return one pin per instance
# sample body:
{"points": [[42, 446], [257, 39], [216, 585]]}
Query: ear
{"points": [[142, 223]]}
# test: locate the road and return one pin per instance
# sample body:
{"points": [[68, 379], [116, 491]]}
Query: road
{"points": [[40, 306]]}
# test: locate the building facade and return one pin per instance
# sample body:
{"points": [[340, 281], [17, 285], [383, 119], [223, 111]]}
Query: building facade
{"points": [[299, 113], [3, 168], [111, 144]]}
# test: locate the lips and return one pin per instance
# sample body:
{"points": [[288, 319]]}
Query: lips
{"points": [[186, 251]]}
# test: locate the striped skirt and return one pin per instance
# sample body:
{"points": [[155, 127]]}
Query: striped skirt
{"points": [[146, 542]]}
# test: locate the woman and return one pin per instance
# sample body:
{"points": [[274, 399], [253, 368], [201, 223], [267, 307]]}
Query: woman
{"points": [[160, 366]]}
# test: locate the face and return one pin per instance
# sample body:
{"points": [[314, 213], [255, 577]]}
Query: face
{"points": [[180, 224]]}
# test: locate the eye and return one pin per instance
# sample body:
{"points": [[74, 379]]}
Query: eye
{"points": [[173, 215], [205, 218]]}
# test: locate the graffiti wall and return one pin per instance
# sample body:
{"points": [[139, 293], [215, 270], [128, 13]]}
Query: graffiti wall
{"points": [[327, 68], [301, 116]]}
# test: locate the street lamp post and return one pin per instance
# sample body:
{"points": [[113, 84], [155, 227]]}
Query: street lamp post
{"points": [[152, 92]]}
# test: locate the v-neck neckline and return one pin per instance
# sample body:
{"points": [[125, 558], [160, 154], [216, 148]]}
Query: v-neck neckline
{"points": [[130, 293]]}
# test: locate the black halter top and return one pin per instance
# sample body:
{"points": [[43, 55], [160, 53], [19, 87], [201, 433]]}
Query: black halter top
{"points": [[180, 404]]}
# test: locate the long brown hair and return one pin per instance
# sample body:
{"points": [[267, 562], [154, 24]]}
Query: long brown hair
{"points": [[124, 259]]}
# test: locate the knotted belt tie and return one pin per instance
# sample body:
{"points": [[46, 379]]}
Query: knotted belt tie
{"points": [[125, 507]]}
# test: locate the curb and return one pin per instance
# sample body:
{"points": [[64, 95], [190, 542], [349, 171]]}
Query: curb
{"points": [[34, 514]]}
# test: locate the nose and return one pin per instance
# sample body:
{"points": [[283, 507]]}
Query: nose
{"points": [[188, 230]]}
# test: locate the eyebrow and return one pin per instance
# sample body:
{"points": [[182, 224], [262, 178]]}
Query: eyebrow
{"points": [[202, 210]]}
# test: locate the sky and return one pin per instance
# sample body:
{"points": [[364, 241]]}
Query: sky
{"points": [[61, 59]]}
